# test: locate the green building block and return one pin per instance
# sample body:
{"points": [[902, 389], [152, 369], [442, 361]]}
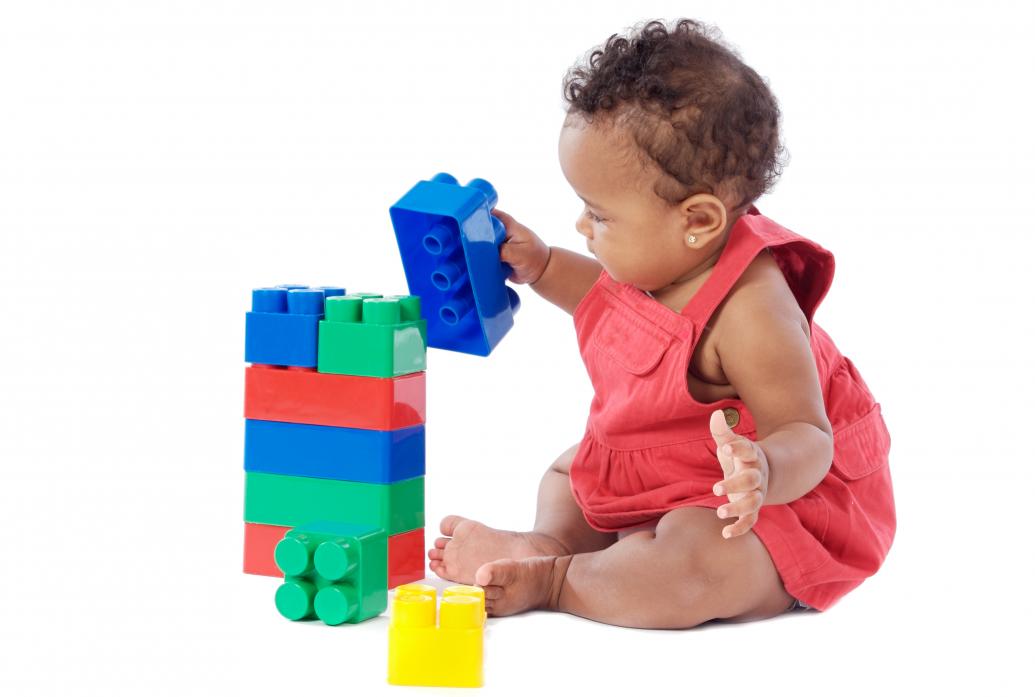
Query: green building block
{"points": [[370, 335], [336, 571], [278, 499]]}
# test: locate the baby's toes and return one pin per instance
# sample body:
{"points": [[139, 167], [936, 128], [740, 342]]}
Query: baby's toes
{"points": [[435, 554], [493, 594], [494, 578], [496, 573], [441, 542], [449, 523]]}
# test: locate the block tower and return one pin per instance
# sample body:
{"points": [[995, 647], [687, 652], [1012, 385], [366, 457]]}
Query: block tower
{"points": [[334, 413]]}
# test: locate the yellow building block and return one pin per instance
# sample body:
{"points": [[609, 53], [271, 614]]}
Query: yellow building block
{"points": [[446, 654]]}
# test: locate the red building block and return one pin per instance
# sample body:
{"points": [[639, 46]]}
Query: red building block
{"points": [[325, 399], [259, 541], [405, 553], [406, 557]]}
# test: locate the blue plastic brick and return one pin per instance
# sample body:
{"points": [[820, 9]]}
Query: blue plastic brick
{"points": [[332, 452], [449, 242], [282, 327]]}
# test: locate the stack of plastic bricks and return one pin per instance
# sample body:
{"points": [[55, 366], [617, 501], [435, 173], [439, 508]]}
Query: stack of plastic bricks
{"points": [[334, 420]]}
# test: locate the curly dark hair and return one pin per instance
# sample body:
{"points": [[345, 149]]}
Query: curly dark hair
{"points": [[690, 104]]}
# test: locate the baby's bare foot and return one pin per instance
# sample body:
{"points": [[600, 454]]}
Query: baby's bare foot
{"points": [[513, 586], [468, 545]]}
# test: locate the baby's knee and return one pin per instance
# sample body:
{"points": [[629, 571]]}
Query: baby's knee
{"points": [[725, 578], [685, 591], [688, 542], [562, 465]]}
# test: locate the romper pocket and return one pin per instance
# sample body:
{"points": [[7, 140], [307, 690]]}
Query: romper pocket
{"points": [[859, 493], [814, 515], [861, 448], [630, 341]]}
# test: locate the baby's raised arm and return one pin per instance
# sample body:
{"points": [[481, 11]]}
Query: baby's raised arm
{"points": [[764, 348], [558, 275]]}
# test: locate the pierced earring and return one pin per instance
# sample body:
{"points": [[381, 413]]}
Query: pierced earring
{"points": [[691, 239]]}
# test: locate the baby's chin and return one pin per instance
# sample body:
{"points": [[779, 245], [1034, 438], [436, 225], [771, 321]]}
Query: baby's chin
{"points": [[623, 276], [641, 284], [618, 277]]}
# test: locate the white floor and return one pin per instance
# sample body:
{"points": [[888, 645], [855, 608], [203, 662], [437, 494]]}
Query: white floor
{"points": [[131, 600]]}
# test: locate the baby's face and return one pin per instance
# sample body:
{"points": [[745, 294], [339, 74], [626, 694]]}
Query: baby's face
{"points": [[633, 233]]}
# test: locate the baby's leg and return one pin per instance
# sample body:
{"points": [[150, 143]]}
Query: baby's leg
{"points": [[560, 529], [559, 518], [678, 576]]}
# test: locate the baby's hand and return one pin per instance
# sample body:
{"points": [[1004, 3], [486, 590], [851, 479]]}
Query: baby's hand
{"points": [[523, 250], [747, 476]]}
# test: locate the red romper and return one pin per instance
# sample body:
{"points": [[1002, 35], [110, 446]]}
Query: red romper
{"points": [[648, 448]]}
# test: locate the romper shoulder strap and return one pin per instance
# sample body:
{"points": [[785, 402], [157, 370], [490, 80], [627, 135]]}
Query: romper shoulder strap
{"points": [[808, 267]]}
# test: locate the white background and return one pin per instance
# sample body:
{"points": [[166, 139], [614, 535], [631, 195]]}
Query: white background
{"points": [[159, 159]]}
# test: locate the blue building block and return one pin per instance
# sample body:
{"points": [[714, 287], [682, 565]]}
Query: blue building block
{"points": [[283, 326], [449, 242], [332, 452]]}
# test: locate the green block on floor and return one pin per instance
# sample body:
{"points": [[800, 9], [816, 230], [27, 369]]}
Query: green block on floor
{"points": [[278, 499], [335, 571], [374, 336]]}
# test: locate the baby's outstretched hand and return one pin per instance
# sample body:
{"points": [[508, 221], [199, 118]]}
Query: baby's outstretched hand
{"points": [[747, 476], [523, 250]]}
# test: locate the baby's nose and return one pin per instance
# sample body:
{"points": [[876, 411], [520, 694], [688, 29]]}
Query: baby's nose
{"points": [[583, 227]]}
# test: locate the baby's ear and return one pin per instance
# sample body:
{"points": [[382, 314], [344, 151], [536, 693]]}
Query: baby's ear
{"points": [[704, 217]]}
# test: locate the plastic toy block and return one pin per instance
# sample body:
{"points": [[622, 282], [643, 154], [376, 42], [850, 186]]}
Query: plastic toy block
{"points": [[283, 325], [405, 553], [276, 499], [326, 399], [406, 558], [334, 571], [259, 541], [446, 655], [332, 452], [449, 242], [374, 336]]}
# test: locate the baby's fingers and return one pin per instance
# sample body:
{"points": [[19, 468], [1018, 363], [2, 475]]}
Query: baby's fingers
{"points": [[721, 432], [740, 448], [743, 481], [741, 526], [509, 223], [749, 503]]}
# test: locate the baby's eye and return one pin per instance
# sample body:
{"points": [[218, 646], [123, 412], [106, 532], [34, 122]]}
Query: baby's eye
{"points": [[594, 217]]}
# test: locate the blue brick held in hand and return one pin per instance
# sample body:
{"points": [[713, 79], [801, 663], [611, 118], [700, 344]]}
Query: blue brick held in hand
{"points": [[449, 242]]}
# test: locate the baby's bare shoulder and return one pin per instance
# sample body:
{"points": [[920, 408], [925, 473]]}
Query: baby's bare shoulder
{"points": [[761, 292], [757, 325]]}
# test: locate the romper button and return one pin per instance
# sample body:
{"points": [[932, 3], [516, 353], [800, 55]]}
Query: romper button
{"points": [[732, 416]]}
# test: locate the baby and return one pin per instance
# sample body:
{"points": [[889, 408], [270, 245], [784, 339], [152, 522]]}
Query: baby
{"points": [[734, 464]]}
